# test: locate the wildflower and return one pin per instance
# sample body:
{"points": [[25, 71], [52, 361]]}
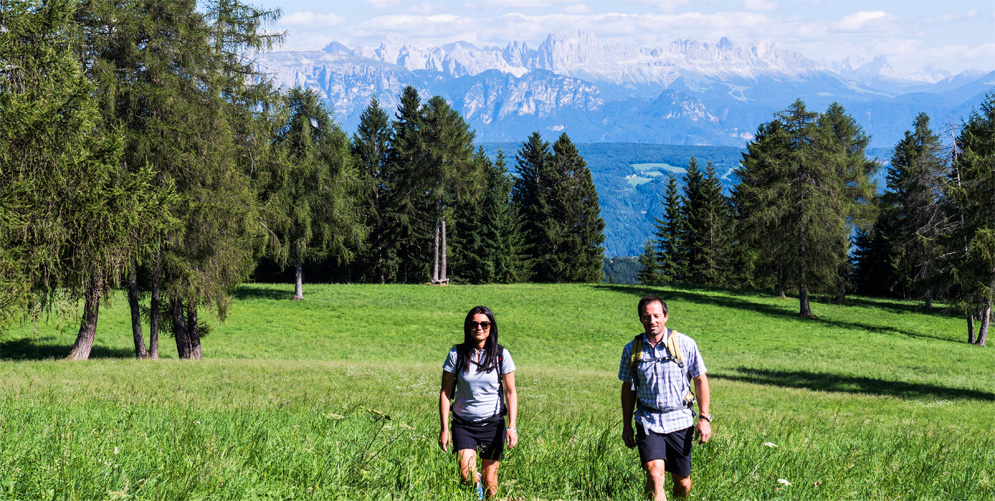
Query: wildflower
{"points": [[115, 450], [783, 481], [771, 444]]}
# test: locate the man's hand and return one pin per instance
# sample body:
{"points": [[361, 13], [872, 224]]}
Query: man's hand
{"points": [[444, 440], [512, 438], [704, 430], [628, 436]]}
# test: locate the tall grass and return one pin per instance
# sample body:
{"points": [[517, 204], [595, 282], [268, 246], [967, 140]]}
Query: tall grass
{"points": [[335, 398]]}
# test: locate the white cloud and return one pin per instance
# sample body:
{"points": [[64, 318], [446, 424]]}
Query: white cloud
{"points": [[863, 21], [310, 19], [385, 4], [759, 5], [580, 8]]}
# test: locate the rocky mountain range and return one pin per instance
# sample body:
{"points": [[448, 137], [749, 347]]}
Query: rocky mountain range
{"points": [[620, 102], [686, 93]]}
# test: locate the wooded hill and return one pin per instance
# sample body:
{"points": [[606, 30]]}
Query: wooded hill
{"points": [[141, 148]]}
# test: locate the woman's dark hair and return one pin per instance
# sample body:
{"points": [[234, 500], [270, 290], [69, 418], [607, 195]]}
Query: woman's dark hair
{"points": [[464, 351]]}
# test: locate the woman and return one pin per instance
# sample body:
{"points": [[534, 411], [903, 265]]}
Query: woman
{"points": [[478, 372]]}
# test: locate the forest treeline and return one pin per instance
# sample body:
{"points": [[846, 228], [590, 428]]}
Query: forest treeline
{"points": [[140, 146], [805, 215]]}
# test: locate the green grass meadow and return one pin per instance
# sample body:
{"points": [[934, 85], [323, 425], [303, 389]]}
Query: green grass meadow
{"points": [[336, 397]]}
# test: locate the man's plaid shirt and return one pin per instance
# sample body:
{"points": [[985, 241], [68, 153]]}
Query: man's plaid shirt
{"points": [[662, 384]]}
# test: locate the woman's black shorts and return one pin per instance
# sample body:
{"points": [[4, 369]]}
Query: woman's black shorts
{"points": [[486, 438]]}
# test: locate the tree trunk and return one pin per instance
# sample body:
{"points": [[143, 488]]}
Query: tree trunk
{"points": [[970, 328], [928, 300], [183, 347], [435, 264], [193, 329], [299, 275], [803, 306], [88, 324], [155, 309], [781, 288], [986, 319], [443, 266], [136, 316]]}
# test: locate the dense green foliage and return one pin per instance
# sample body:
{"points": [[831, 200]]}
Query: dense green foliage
{"points": [[142, 146], [292, 402], [561, 214]]}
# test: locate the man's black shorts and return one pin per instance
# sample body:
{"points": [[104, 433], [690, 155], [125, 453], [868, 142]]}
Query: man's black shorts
{"points": [[487, 438], [674, 448]]}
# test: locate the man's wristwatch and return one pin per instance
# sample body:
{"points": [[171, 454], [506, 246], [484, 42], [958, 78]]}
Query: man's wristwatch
{"points": [[706, 417]]}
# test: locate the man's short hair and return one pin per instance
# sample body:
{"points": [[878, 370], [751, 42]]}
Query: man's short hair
{"points": [[651, 298]]}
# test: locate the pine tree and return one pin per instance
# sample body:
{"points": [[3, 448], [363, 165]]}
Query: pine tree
{"points": [[759, 205], [807, 179], [841, 146]]}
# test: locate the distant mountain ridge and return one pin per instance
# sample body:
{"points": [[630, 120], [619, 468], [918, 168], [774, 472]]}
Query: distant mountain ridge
{"points": [[686, 92]]}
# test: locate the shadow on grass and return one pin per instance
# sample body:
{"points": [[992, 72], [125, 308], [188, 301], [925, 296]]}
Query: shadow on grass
{"points": [[849, 384], [39, 349], [267, 291], [733, 299]]}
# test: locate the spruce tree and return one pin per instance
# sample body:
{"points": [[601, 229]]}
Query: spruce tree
{"points": [[448, 173], [913, 219], [971, 246], [406, 220], [506, 237], [370, 147], [669, 231], [649, 265], [576, 221], [530, 197]]}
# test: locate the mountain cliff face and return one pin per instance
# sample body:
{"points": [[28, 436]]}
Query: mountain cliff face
{"points": [[686, 92]]}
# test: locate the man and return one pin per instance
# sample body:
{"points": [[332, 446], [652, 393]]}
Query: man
{"points": [[655, 384]]}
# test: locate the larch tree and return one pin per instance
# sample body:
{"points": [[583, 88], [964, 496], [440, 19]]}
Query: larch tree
{"points": [[317, 187], [67, 205]]}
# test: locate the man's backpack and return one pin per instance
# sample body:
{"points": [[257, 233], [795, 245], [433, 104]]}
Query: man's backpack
{"points": [[675, 355]]}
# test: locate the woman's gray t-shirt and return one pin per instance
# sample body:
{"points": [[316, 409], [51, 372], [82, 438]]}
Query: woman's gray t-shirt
{"points": [[477, 392]]}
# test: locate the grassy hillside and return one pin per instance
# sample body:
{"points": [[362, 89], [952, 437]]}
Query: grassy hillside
{"points": [[336, 397]]}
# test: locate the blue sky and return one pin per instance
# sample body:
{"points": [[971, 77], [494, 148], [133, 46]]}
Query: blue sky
{"points": [[951, 34]]}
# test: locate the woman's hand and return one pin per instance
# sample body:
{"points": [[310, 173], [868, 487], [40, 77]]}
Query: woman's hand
{"points": [[512, 436], [444, 440]]}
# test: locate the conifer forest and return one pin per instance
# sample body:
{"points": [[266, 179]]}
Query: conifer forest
{"points": [[142, 149]]}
